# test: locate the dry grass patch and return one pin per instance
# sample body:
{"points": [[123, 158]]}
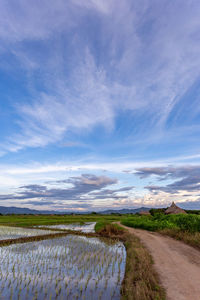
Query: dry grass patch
{"points": [[111, 231], [192, 239]]}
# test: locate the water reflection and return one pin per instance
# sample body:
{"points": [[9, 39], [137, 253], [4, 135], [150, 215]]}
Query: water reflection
{"points": [[70, 267], [8, 233], [86, 227]]}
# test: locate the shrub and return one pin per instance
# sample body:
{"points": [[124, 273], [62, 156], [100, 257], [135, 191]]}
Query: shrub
{"points": [[159, 221], [189, 223], [155, 211]]}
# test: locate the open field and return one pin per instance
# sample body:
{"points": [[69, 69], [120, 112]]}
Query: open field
{"points": [[34, 220], [181, 227]]}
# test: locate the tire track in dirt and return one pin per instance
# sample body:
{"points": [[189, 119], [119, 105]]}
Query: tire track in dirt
{"points": [[177, 264]]}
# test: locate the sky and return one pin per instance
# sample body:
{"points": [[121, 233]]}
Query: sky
{"points": [[99, 104]]}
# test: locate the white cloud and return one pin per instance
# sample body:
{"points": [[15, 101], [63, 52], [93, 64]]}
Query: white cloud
{"points": [[102, 6], [87, 103], [146, 60], [56, 176], [33, 20]]}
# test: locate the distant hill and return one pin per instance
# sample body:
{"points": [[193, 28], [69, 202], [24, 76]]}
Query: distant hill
{"points": [[23, 211], [125, 211]]}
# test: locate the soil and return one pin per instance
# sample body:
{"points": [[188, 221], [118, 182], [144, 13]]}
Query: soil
{"points": [[177, 264]]}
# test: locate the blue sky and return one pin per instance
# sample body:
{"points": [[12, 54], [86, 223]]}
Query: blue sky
{"points": [[100, 104]]}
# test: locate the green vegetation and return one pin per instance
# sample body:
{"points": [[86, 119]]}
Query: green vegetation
{"points": [[189, 222], [194, 211], [101, 224], [34, 220]]}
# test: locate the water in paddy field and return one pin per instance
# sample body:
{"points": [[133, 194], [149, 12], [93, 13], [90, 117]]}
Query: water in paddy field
{"points": [[70, 267], [9, 233], [86, 227]]}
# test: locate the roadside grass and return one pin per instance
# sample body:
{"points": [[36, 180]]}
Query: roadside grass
{"points": [[141, 281], [192, 239], [185, 228]]}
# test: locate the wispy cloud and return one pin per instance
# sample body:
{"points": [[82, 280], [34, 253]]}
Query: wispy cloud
{"points": [[77, 188], [184, 179], [149, 62]]}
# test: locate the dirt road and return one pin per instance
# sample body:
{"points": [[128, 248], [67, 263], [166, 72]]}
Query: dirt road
{"points": [[177, 264]]}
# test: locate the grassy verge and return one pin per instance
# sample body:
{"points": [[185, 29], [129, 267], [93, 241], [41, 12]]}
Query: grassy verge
{"points": [[140, 282], [37, 238], [101, 224], [107, 225]]}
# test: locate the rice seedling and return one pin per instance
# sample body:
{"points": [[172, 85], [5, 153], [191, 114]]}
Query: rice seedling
{"points": [[70, 267]]}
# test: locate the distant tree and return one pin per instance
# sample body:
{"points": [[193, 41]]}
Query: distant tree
{"points": [[192, 211], [155, 211]]}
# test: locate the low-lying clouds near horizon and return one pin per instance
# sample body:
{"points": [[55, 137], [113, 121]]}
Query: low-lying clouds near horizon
{"points": [[81, 189], [98, 192], [105, 88]]}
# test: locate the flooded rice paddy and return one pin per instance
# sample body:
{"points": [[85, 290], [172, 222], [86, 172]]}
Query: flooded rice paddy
{"points": [[86, 227], [71, 267], [9, 233]]}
